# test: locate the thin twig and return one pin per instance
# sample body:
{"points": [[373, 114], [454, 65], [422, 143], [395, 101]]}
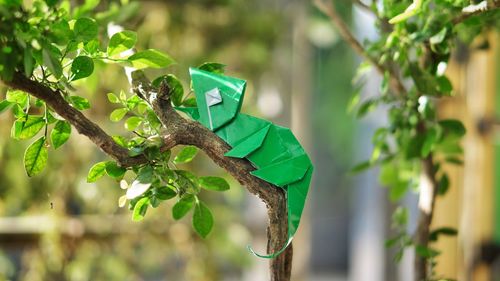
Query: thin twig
{"points": [[495, 5], [329, 10]]}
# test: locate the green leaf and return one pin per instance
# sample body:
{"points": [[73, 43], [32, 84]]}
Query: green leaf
{"points": [[60, 33], [366, 107], [164, 193], [443, 184], [114, 171], [213, 67], [121, 141], [191, 102], [150, 58], [175, 86], [187, 181], [92, 47], [132, 123], [79, 103], [176, 89], [60, 134], [82, 67], [140, 209], [27, 128], [426, 252], [361, 167], [113, 98], [51, 3], [400, 217], [121, 41], [452, 126], [28, 62], [186, 155], [35, 157], [431, 137], [182, 207], [18, 97], [4, 105], [96, 172], [145, 174], [444, 85], [52, 62], [447, 231], [214, 183], [85, 29], [203, 220], [118, 114], [438, 37]]}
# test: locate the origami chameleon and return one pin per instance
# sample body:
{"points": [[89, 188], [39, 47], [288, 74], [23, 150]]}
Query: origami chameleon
{"points": [[273, 150]]}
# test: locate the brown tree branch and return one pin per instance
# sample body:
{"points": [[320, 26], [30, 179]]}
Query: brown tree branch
{"points": [[179, 131], [329, 9], [494, 5], [83, 125]]}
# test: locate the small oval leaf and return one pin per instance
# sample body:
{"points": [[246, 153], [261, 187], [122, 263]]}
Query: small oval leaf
{"points": [[97, 171], [85, 29], [150, 58], [203, 220], [81, 67], [214, 183], [121, 41], [182, 207], [35, 157], [140, 209], [114, 171], [118, 114], [186, 155], [60, 134]]}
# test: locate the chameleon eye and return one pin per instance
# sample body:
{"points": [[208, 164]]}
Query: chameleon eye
{"points": [[213, 97]]}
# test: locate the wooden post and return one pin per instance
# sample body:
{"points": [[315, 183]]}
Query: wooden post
{"points": [[468, 206]]}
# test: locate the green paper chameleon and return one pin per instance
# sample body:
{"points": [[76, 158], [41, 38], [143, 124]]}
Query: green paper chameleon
{"points": [[274, 151]]}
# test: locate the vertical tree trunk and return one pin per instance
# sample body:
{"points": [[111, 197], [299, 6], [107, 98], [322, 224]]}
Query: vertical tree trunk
{"points": [[427, 198], [280, 268]]}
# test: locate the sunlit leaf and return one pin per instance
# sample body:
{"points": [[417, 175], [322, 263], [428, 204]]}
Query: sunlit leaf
{"points": [[214, 183], [96, 172], [35, 157], [27, 128], [186, 155], [150, 58], [118, 114], [79, 103], [85, 29], [140, 209], [121, 41], [60, 134]]}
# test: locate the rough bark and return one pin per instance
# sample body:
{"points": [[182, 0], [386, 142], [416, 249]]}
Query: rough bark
{"points": [[178, 131], [427, 200]]}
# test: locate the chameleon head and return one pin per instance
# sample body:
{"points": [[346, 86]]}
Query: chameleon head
{"points": [[218, 97]]}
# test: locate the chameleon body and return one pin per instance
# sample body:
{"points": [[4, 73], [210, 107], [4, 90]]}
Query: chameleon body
{"points": [[274, 151]]}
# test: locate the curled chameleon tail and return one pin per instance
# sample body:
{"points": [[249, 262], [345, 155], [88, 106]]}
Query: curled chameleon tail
{"points": [[272, 149]]}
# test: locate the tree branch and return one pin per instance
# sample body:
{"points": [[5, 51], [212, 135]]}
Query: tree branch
{"points": [[494, 5], [329, 10], [83, 125]]}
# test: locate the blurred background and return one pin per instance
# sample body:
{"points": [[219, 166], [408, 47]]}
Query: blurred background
{"points": [[58, 227]]}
